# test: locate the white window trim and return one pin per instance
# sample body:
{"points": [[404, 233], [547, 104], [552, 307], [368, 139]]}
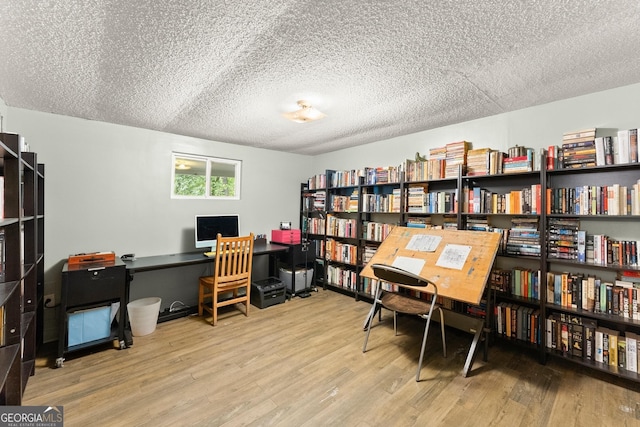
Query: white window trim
{"points": [[208, 160]]}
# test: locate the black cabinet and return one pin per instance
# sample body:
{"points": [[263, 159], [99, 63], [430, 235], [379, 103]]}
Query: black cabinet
{"points": [[88, 295]]}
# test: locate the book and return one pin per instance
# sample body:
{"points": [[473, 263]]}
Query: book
{"points": [[582, 240], [633, 145], [632, 351], [589, 343], [622, 147]]}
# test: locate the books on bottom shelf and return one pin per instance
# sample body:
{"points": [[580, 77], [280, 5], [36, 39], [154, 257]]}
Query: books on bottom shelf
{"points": [[518, 322], [582, 338]]}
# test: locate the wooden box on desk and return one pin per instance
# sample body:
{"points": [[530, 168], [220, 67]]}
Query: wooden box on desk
{"points": [[289, 237]]}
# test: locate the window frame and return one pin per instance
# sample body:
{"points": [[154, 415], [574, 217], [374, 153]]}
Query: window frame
{"points": [[209, 161]]}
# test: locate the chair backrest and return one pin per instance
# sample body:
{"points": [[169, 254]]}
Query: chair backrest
{"points": [[234, 259], [396, 275]]}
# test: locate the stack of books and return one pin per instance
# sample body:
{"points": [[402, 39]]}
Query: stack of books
{"points": [[579, 149], [478, 224], [478, 161], [563, 238], [437, 162], [417, 198], [419, 222], [354, 198], [319, 200], [456, 156], [396, 197], [416, 170], [317, 181], [520, 159], [450, 223], [524, 237], [382, 175]]}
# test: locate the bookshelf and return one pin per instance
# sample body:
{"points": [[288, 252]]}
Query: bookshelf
{"points": [[21, 286], [590, 198], [525, 207]]}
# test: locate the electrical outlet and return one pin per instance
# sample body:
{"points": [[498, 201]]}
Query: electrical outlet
{"points": [[50, 300]]}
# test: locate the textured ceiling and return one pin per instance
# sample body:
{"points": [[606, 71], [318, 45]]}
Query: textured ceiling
{"points": [[226, 71]]}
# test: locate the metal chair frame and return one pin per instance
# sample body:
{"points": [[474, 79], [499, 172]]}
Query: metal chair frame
{"points": [[405, 304]]}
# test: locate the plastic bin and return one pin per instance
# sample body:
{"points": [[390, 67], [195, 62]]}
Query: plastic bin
{"points": [[143, 315], [286, 276], [89, 325]]}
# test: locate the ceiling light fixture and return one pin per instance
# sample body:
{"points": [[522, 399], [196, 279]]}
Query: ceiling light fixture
{"points": [[305, 114], [182, 167]]}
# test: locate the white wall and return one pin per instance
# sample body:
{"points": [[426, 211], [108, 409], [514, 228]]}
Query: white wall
{"points": [[3, 114], [535, 127]]}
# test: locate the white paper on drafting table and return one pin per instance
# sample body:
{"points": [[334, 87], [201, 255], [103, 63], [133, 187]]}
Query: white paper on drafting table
{"points": [[412, 265], [454, 256], [424, 242]]}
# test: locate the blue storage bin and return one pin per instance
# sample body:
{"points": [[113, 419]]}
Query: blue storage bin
{"points": [[89, 325]]}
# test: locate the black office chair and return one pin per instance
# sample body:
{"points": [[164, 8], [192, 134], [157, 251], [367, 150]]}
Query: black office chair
{"points": [[400, 303]]}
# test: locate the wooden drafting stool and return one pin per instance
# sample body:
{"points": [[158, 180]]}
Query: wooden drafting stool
{"points": [[399, 303]]}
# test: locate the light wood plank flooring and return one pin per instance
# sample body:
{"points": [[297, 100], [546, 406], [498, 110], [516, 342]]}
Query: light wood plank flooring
{"points": [[301, 364]]}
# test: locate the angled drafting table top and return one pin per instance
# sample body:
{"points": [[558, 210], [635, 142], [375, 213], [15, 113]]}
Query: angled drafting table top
{"points": [[457, 261]]}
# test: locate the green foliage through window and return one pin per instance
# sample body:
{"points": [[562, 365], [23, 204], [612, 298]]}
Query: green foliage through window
{"points": [[205, 177]]}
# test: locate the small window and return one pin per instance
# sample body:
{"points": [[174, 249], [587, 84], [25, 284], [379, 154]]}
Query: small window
{"points": [[201, 177]]}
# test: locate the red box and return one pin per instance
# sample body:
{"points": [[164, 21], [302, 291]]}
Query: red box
{"points": [[290, 237]]}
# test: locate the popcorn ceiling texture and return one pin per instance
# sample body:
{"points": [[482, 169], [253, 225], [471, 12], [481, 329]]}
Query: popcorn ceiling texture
{"points": [[227, 70]]}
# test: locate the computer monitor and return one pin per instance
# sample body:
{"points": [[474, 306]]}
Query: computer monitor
{"points": [[208, 227]]}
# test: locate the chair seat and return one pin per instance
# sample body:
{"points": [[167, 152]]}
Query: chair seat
{"points": [[405, 304]]}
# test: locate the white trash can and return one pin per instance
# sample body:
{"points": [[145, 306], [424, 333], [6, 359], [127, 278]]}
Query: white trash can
{"points": [[143, 315]]}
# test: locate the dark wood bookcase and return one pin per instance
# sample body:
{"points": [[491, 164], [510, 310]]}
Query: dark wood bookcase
{"points": [[21, 285], [458, 214]]}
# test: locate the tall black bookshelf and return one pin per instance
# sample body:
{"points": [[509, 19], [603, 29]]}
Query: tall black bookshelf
{"points": [[21, 286]]}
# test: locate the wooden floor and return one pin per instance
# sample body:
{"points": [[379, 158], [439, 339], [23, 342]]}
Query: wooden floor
{"points": [[301, 364]]}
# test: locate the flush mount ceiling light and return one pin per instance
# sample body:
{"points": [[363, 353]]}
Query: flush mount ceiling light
{"points": [[182, 166], [305, 114]]}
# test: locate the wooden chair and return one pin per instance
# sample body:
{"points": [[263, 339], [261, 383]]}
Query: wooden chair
{"points": [[231, 273], [400, 303]]}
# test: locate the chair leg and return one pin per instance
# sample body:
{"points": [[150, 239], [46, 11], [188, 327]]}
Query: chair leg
{"points": [[424, 344], [395, 323], [366, 337], [200, 299], [214, 306], [444, 341]]}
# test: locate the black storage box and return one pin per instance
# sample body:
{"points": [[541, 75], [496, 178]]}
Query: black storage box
{"points": [[267, 292]]}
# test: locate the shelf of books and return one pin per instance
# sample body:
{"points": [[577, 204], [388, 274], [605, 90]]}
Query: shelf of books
{"points": [[568, 261]]}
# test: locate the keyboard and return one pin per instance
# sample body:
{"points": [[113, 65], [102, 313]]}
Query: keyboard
{"points": [[211, 254]]}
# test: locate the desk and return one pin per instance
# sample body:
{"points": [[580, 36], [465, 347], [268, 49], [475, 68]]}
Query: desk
{"points": [[159, 262], [463, 280]]}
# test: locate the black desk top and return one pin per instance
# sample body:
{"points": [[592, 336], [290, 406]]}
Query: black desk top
{"points": [[158, 262]]}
